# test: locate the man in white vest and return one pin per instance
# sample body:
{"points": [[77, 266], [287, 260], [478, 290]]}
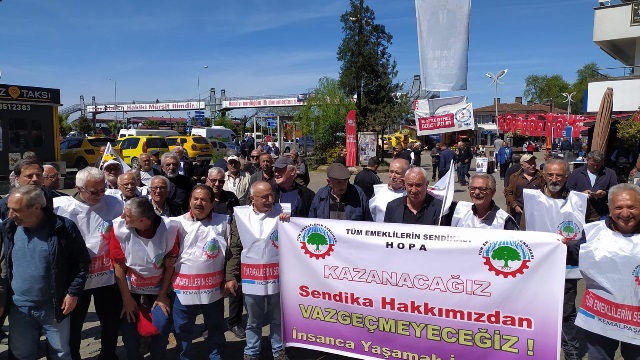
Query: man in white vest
{"points": [[256, 262], [93, 211], [384, 193], [609, 265], [143, 248], [482, 212], [555, 209], [199, 277]]}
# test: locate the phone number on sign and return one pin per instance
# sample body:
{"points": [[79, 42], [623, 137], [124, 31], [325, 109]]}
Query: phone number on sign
{"points": [[15, 107]]}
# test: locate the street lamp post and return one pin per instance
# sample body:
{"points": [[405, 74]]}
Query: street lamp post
{"points": [[202, 68], [495, 80], [170, 120], [115, 97]]}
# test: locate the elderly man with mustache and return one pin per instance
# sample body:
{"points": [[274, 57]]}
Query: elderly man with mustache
{"points": [[482, 211]]}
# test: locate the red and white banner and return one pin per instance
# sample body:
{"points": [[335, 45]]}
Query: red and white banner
{"points": [[254, 103], [352, 141], [191, 105], [456, 117]]}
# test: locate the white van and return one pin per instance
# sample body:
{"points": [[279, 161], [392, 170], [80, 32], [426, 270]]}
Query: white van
{"points": [[219, 133], [144, 132]]}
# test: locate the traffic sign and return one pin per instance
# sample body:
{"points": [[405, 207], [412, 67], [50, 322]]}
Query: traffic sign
{"points": [[199, 112], [199, 117], [271, 124]]}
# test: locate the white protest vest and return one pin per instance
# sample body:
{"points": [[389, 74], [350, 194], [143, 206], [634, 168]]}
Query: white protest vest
{"points": [[145, 257], [199, 271], [561, 216], [463, 217], [94, 223], [610, 265], [382, 195], [259, 261]]}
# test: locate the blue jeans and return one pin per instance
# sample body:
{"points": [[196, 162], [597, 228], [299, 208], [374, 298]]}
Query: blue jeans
{"points": [[463, 172], [131, 338], [184, 319], [259, 309], [25, 325]]}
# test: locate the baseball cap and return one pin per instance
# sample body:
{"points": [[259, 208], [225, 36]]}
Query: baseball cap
{"points": [[527, 157], [233, 157], [154, 152], [111, 162], [338, 171], [283, 162]]}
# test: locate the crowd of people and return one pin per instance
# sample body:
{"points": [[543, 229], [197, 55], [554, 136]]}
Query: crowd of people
{"points": [[157, 245]]}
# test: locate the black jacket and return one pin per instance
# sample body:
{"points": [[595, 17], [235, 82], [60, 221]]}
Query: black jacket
{"points": [[395, 211], [228, 201], [69, 257], [182, 192], [365, 180], [305, 197]]}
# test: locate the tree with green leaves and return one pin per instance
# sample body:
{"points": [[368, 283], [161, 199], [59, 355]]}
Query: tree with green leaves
{"points": [[367, 68], [324, 114], [151, 124], [114, 127], [63, 124], [540, 88], [83, 126]]}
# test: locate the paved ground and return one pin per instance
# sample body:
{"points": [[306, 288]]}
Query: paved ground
{"points": [[90, 344]]}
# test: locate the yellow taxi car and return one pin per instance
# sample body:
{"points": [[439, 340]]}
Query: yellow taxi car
{"points": [[196, 147], [131, 147], [80, 152]]}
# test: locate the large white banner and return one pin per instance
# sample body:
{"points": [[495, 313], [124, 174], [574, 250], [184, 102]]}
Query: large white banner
{"points": [[443, 43], [371, 291], [448, 118]]}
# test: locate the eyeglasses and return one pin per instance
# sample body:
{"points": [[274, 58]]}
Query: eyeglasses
{"points": [[483, 190], [51, 177], [213, 181], [255, 157], [158, 188], [93, 192], [129, 185]]}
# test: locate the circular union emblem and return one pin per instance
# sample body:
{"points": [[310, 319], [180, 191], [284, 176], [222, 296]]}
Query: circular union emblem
{"points": [[158, 261], [211, 249], [506, 258], [569, 230], [463, 115], [274, 238], [317, 241], [636, 274]]}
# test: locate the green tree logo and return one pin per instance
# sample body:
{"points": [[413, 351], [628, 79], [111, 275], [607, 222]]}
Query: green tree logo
{"points": [[317, 240], [506, 254]]}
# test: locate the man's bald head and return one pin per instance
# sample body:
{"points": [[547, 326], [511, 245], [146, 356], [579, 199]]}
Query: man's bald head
{"points": [[397, 171]]}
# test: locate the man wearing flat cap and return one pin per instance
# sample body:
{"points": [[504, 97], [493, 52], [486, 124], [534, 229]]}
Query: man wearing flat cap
{"points": [[288, 190], [340, 200], [528, 177]]}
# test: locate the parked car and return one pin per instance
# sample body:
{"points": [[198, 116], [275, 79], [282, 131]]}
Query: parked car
{"points": [[131, 147], [196, 147], [80, 152], [218, 147]]}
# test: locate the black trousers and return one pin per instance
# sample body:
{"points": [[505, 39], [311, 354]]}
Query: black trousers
{"points": [[572, 340], [236, 307], [604, 348], [108, 305]]}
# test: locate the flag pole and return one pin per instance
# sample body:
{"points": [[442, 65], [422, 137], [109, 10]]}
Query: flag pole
{"points": [[446, 192]]}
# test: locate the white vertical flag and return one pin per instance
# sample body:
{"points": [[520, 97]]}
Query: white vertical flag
{"points": [[444, 188]]}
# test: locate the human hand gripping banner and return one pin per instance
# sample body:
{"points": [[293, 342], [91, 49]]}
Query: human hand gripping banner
{"points": [[371, 291]]}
